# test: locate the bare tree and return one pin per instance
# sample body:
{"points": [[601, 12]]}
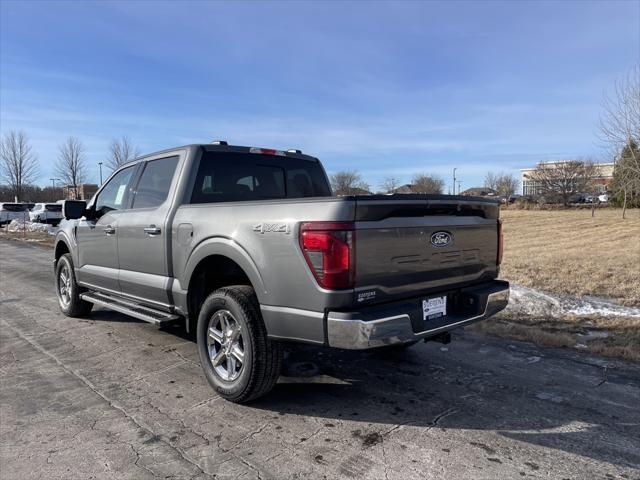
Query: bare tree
{"points": [[562, 180], [348, 182], [491, 181], [504, 184], [71, 164], [620, 130], [120, 152], [18, 162], [423, 183], [390, 184]]}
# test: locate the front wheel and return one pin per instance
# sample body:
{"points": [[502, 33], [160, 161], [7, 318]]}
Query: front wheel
{"points": [[68, 291], [238, 359]]}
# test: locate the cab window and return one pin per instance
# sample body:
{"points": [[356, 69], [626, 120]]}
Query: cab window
{"points": [[155, 183], [114, 194]]}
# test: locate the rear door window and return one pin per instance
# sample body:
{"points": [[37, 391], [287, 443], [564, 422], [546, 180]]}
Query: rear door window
{"points": [[155, 182]]}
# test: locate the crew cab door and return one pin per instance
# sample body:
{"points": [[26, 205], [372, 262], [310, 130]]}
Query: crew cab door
{"points": [[97, 236], [144, 234]]}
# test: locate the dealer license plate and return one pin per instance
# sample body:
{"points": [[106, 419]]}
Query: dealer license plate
{"points": [[434, 308]]}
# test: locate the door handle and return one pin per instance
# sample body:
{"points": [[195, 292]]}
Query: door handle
{"points": [[109, 230], [152, 230]]}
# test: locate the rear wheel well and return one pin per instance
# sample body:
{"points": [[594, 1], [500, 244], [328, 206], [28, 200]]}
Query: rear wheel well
{"points": [[212, 273]]}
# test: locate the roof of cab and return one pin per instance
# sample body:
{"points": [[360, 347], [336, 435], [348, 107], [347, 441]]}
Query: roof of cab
{"points": [[215, 147]]}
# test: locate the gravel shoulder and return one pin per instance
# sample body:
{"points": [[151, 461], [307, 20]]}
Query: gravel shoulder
{"points": [[109, 397]]}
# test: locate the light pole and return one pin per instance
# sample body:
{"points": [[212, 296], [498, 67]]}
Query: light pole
{"points": [[53, 184], [454, 180], [100, 163], [459, 182]]}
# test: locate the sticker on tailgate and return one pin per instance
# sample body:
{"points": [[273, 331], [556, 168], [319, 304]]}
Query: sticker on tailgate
{"points": [[434, 307]]}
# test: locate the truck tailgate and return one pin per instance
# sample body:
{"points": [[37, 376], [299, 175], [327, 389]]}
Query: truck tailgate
{"points": [[409, 245]]}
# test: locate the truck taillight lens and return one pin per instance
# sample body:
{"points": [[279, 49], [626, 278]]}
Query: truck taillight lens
{"points": [[329, 249], [500, 243]]}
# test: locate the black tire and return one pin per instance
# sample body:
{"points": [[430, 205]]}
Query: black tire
{"points": [[71, 305], [262, 358]]}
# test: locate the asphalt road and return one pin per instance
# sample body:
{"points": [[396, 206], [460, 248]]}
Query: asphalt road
{"points": [[111, 397]]}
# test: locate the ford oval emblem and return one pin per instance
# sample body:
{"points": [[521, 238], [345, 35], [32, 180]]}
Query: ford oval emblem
{"points": [[441, 239]]}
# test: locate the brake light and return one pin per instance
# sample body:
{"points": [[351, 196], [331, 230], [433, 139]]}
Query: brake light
{"points": [[329, 249], [500, 243], [267, 151]]}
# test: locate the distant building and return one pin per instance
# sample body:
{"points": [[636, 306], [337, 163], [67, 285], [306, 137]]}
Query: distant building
{"points": [[532, 187], [479, 192], [83, 191]]}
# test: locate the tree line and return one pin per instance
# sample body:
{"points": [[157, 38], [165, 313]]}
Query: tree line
{"points": [[20, 169]]}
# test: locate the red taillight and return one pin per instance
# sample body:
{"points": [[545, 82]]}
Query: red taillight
{"points": [[267, 151], [329, 249], [500, 243]]}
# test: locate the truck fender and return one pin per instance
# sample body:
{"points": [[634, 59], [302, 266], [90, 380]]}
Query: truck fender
{"points": [[62, 238], [227, 248]]}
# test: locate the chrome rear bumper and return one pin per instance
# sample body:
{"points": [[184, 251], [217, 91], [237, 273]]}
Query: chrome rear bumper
{"points": [[358, 332]]}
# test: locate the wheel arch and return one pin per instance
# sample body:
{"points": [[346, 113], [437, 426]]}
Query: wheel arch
{"points": [[60, 249], [217, 263]]}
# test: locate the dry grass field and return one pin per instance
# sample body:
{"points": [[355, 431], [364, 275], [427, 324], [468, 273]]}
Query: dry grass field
{"points": [[569, 252]]}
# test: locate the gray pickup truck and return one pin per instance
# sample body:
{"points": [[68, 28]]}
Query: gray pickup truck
{"points": [[248, 247]]}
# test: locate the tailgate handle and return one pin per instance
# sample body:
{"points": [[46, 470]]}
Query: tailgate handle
{"points": [[152, 230]]}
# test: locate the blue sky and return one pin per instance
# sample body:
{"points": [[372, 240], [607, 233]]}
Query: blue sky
{"points": [[383, 88]]}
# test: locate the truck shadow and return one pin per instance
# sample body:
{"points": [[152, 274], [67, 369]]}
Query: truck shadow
{"points": [[427, 387], [548, 398]]}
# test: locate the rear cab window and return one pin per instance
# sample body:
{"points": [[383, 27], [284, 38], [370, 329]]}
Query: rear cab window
{"points": [[14, 207], [232, 177]]}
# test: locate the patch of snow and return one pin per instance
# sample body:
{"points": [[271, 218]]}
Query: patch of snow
{"points": [[592, 335], [17, 226], [525, 300]]}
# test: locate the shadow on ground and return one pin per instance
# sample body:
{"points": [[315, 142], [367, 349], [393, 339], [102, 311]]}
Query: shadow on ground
{"points": [[545, 397]]}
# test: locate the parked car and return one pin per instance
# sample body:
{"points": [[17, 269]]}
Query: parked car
{"points": [[604, 198], [46, 213], [248, 248], [581, 198], [13, 211]]}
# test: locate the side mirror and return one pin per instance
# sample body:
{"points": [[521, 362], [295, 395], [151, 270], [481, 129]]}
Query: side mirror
{"points": [[73, 209]]}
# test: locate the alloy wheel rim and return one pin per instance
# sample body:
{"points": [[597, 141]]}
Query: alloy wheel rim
{"points": [[64, 285], [225, 345]]}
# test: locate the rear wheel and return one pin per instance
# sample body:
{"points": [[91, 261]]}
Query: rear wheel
{"points": [[238, 359], [68, 291]]}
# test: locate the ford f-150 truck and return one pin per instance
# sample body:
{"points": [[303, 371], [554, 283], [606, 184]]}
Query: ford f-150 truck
{"points": [[249, 248]]}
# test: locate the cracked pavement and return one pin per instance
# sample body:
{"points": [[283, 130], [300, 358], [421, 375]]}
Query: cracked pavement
{"points": [[109, 397]]}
